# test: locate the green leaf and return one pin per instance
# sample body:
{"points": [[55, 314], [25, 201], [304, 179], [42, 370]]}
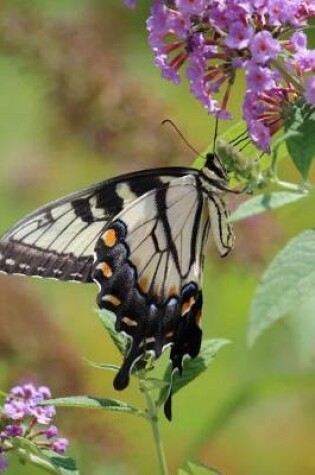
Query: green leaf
{"points": [[192, 368], [289, 281], [108, 320], [197, 468], [25, 444], [45, 459], [266, 202], [92, 402], [65, 465], [299, 126], [103, 366]]}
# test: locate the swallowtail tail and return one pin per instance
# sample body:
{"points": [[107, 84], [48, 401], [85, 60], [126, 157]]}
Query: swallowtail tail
{"points": [[141, 238]]}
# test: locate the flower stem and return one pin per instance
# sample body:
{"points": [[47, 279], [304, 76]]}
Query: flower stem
{"points": [[154, 421], [304, 188]]}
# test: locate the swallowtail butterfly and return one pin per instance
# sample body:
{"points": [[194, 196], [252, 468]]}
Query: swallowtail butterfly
{"points": [[141, 238]]}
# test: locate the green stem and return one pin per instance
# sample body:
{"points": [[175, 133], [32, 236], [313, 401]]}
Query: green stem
{"points": [[304, 188], [154, 421]]}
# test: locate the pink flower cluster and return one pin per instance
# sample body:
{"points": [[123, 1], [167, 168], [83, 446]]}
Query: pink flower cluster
{"points": [[23, 416], [216, 38]]}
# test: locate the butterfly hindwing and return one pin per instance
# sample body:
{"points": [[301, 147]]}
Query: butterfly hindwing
{"points": [[149, 262], [58, 240]]}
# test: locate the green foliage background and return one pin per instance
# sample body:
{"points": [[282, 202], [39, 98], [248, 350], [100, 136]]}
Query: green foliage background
{"points": [[253, 412]]}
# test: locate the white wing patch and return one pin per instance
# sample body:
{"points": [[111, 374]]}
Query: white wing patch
{"points": [[161, 226]]}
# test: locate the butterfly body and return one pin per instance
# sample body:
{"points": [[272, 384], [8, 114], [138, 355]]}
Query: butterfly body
{"points": [[142, 238]]}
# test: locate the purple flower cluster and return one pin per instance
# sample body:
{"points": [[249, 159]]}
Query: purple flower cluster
{"points": [[23, 416], [216, 38]]}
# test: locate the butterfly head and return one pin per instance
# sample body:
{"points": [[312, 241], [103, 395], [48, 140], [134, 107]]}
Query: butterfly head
{"points": [[214, 170]]}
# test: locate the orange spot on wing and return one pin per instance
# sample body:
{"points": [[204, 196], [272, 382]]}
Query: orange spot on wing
{"points": [[187, 305], [129, 321], [111, 299], [110, 237], [144, 284], [106, 269], [173, 291]]}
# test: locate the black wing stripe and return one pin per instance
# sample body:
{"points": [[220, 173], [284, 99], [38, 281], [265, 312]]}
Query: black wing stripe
{"points": [[194, 233], [162, 213], [82, 210], [166, 270], [192, 237], [152, 284]]}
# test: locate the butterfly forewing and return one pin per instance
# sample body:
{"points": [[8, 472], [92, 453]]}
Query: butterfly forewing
{"points": [[58, 240]]}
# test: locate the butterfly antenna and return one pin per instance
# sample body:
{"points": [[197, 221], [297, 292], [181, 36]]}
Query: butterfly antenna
{"points": [[170, 122], [216, 131]]}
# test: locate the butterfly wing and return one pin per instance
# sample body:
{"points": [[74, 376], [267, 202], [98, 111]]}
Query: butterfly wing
{"points": [[149, 262], [58, 240]]}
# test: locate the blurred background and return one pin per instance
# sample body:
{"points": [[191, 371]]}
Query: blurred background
{"points": [[81, 101]]}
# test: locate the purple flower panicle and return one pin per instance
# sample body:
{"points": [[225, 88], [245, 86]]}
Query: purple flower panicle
{"points": [[23, 401], [23, 416], [218, 37]]}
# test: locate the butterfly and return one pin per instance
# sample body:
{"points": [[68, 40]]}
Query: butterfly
{"points": [[141, 237]]}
